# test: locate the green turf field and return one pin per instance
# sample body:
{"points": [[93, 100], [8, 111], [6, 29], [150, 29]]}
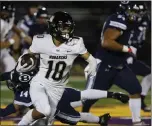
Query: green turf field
{"points": [[76, 82]]}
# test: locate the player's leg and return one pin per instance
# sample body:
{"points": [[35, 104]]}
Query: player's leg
{"points": [[10, 109], [21, 100], [142, 69], [98, 94], [102, 81], [127, 80], [146, 84], [41, 103], [70, 116]]}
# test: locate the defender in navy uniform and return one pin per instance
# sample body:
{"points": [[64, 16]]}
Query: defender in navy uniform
{"points": [[19, 82], [112, 53], [41, 24], [137, 39]]}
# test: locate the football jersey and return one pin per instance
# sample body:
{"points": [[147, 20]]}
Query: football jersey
{"points": [[138, 34], [56, 62], [6, 26], [115, 58]]}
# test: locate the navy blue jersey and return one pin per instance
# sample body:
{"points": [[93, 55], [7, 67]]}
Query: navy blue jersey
{"points": [[138, 34], [26, 23], [114, 58], [36, 29]]}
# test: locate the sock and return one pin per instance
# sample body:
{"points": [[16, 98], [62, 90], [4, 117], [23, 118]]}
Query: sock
{"points": [[143, 105], [135, 106], [90, 94], [7, 111], [76, 104], [27, 119], [89, 118], [145, 84]]}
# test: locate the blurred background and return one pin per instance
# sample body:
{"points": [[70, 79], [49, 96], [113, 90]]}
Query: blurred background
{"points": [[89, 17]]}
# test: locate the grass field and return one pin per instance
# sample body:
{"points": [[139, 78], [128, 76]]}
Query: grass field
{"points": [[120, 112], [76, 82]]}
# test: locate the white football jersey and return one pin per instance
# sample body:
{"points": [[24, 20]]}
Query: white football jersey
{"points": [[56, 62], [5, 28]]}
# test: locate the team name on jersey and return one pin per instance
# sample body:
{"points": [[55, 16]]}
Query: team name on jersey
{"points": [[58, 57]]}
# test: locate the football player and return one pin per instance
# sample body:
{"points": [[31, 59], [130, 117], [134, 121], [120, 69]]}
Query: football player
{"points": [[19, 82], [112, 53], [7, 16], [41, 25], [137, 39], [57, 52], [25, 24]]}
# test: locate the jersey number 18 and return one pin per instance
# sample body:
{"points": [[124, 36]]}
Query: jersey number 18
{"points": [[58, 73]]}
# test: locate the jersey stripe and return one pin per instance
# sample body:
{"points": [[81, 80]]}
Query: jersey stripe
{"points": [[118, 25]]}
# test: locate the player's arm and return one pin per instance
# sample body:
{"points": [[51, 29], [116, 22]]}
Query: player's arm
{"points": [[5, 76], [6, 44], [12, 41], [115, 29], [109, 39], [89, 58], [21, 33]]}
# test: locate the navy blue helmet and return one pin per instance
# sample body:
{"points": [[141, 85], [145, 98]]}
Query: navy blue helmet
{"points": [[132, 10]]}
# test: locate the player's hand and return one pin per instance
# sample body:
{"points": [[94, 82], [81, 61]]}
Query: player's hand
{"points": [[132, 50], [90, 70], [130, 60], [88, 67], [16, 45]]}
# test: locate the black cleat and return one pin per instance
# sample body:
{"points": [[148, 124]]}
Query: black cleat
{"points": [[121, 97], [104, 119], [146, 109]]}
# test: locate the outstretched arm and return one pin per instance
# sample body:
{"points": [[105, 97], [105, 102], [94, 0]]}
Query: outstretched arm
{"points": [[5, 76]]}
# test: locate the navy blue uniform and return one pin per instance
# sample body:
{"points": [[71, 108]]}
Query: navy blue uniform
{"points": [[137, 39], [113, 68], [36, 29], [65, 112], [25, 24]]}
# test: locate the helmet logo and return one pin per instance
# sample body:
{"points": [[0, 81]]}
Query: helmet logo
{"points": [[24, 78], [51, 19]]}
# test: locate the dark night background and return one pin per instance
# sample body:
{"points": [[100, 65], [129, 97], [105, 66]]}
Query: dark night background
{"points": [[89, 17]]}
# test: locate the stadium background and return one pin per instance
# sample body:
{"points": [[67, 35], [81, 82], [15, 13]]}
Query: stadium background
{"points": [[89, 17]]}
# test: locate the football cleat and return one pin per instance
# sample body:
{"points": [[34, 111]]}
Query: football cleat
{"points": [[121, 97], [104, 119], [141, 123], [146, 109]]}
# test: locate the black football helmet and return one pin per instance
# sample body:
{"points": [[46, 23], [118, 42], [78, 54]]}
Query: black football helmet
{"points": [[61, 26], [130, 9], [7, 8]]}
